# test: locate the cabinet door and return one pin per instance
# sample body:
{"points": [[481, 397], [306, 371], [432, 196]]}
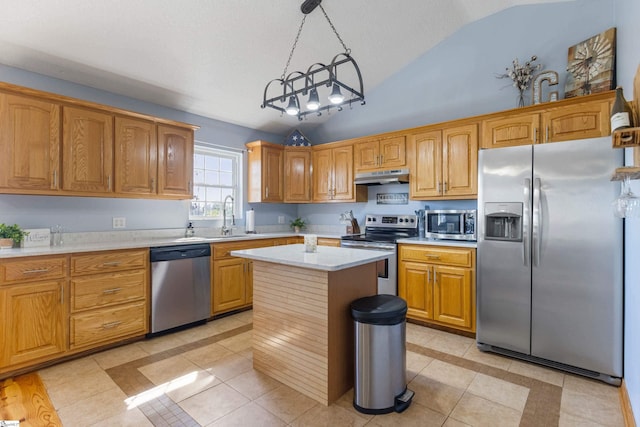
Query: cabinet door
{"points": [[393, 152], [367, 155], [452, 296], [29, 143], [426, 165], [460, 161], [87, 150], [579, 121], [33, 321], [297, 175], [136, 156], [272, 167], [229, 290], [175, 161], [517, 129], [343, 185], [415, 287], [322, 175]]}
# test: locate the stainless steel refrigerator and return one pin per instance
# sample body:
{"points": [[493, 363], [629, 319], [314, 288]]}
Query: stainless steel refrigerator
{"points": [[550, 254]]}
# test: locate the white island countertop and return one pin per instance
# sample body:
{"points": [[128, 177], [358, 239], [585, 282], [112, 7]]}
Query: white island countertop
{"points": [[327, 258]]}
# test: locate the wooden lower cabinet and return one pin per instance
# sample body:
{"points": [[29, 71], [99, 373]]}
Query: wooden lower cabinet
{"points": [[108, 297], [438, 283], [232, 277], [33, 322]]}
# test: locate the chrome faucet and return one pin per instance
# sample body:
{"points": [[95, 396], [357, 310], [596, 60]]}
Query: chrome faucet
{"points": [[225, 231]]}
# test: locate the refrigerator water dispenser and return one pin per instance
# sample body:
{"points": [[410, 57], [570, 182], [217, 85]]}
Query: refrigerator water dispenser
{"points": [[503, 221]]}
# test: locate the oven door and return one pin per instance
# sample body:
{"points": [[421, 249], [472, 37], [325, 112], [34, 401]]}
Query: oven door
{"points": [[387, 268]]}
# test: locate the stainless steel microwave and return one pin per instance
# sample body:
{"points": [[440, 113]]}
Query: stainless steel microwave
{"points": [[451, 224]]}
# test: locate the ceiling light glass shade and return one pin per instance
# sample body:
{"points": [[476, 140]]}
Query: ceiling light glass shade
{"points": [[292, 109], [314, 103], [336, 96]]}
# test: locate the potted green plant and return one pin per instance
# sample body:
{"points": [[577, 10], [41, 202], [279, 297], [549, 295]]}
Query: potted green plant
{"points": [[298, 224], [10, 235]]}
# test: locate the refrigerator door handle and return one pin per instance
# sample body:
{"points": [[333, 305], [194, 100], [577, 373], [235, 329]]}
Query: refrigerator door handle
{"points": [[526, 215], [537, 226]]}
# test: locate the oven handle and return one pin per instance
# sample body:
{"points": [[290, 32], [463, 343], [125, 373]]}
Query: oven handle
{"points": [[388, 248]]}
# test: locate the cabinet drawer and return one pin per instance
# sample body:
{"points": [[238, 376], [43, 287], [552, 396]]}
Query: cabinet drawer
{"points": [[437, 255], [29, 269], [102, 262], [223, 250], [108, 324], [107, 289]]}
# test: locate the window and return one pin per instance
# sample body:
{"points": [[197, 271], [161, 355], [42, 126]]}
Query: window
{"points": [[216, 175]]}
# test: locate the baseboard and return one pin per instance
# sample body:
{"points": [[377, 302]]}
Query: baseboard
{"points": [[627, 410]]}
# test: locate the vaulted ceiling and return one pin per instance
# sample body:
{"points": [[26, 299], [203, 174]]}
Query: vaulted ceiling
{"points": [[214, 57]]}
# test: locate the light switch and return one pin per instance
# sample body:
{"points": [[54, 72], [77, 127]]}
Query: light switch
{"points": [[119, 222]]}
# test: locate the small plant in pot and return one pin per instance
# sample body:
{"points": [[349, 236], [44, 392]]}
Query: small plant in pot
{"points": [[10, 235], [298, 224]]}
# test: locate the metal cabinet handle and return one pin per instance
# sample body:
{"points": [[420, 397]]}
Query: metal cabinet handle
{"points": [[55, 178], [111, 291], [109, 182], [153, 184], [439, 184], [535, 135], [266, 192], [61, 294], [36, 271], [547, 138], [435, 277], [445, 187], [111, 264], [111, 325], [428, 275]]}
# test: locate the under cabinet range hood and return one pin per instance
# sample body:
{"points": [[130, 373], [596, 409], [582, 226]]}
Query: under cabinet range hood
{"points": [[393, 176]]}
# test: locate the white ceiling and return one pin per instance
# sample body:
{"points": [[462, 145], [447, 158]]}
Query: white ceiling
{"points": [[214, 57]]}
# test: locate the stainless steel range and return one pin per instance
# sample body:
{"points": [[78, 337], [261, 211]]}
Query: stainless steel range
{"points": [[381, 234]]}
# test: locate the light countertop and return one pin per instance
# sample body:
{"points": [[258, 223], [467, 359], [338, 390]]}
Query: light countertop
{"points": [[327, 258], [425, 241], [139, 243]]}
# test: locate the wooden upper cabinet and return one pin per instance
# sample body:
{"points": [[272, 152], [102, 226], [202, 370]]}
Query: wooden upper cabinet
{"points": [[265, 172], [136, 156], [426, 164], [577, 118], [460, 161], [380, 153], [175, 161], [579, 121], [29, 143], [297, 174], [444, 163], [333, 175], [517, 129], [87, 150]]}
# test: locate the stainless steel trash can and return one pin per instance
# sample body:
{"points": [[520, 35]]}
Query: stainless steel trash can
{"points": [[380, 355]]}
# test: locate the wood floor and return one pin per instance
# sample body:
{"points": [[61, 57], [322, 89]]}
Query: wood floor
{"points": [[25, 399]]}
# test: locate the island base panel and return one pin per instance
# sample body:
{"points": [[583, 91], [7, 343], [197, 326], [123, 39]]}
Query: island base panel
{"points": [[302, 326]]}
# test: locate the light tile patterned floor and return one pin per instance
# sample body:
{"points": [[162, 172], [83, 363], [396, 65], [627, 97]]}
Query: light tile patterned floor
{"points": [[203, 376]]}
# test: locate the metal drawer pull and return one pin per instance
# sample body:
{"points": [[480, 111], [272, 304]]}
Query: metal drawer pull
{"points": [[111, 291], [37, 270], [433, 256], [112, 264], [111, 325]]}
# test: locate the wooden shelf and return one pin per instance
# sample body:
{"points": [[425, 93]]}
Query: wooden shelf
{"points": [[626, 138], [620, 173]]}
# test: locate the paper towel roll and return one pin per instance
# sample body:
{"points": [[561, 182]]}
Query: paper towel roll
{"points": [[250, 222]]}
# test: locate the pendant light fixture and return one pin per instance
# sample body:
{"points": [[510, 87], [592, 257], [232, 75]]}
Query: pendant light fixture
{"points": [[320, 83]]}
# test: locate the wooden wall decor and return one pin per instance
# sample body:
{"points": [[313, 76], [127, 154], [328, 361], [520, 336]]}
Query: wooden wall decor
{"points": [[591, 65]]}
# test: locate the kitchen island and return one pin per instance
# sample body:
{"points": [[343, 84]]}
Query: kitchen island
{"points": [[302, 326]]}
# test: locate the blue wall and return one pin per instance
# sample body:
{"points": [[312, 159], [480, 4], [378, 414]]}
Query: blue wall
{"points": [[457, 78], [626, 16]]}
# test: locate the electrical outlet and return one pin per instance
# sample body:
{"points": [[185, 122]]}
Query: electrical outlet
{"points": [[280, 219], [119, 222]]}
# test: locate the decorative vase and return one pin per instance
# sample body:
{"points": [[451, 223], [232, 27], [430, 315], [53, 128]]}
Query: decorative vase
{"points": [[296, 229], [6, 243], [521, 99]]}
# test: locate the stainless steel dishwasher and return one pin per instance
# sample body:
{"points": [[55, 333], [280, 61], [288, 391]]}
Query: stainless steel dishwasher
{"points": [[180, 285]]}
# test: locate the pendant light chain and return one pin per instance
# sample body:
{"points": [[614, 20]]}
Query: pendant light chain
{"points": [[346, 49], [284, 72]]}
